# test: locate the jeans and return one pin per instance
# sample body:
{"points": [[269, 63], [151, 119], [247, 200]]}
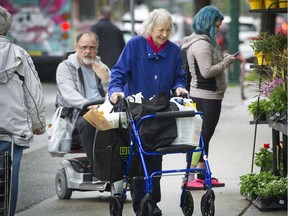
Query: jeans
{"points": [[18, 152]]}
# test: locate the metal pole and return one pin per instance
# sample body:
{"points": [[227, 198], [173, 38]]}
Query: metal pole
{"points": [[132, 6], [234, 38]]}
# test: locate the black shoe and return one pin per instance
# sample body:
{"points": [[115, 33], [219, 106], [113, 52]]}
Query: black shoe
{"points": [[157, 211]]}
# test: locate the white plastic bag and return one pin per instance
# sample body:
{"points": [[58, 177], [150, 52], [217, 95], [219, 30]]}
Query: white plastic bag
{"points": [[188, 128], [113, 117], [57, 132]]}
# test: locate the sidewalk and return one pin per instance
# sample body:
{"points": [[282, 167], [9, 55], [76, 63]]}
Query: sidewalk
{"points": [[230, 157]]}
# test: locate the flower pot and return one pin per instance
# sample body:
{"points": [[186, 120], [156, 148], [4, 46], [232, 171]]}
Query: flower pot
{"points": [[256, 4], [261, 117], [283, 4], [270, 2]]}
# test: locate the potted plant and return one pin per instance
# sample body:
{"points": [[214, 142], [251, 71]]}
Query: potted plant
{"points": [[264, 190], [259, 109]]}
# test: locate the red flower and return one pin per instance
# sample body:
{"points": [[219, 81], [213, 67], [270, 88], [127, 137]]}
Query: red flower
{"points": [[266, 146]]}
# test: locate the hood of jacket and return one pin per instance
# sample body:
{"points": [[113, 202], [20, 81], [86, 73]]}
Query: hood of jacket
{"points": [[189, 40], [10, 58]]}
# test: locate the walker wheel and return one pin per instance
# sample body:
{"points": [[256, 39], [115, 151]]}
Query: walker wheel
{"points": [[62, 191], [188, 204], [207, 203], [146, 206], [115, 206]]}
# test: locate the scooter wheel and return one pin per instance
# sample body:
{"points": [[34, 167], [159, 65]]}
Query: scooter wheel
{"points": [[115, 206], [62, 191], [188, 204], [207, 203]]}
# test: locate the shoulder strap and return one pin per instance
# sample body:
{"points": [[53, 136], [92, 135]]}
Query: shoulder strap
{"points": [[20, 76]]}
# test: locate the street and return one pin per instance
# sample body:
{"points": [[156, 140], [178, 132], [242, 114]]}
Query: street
{"points": [[230, 157]]}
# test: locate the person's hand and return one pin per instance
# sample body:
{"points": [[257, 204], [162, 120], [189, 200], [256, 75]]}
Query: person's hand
{"points": [[181, 91], [38, 131], [100, 71], [114, 97]]}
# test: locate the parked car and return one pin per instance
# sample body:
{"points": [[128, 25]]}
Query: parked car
{"points": [[249, 28]]}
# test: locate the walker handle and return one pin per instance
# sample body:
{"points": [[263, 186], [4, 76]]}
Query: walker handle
{"points": [[175, 114]]}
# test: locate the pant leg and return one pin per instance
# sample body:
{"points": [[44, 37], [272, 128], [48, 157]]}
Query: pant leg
{"points": [[87, 135], [153, 163], [211, 110], [17, 155]]}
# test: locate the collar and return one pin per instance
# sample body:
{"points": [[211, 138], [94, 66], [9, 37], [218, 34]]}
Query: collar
{"points": [[153, 46]]}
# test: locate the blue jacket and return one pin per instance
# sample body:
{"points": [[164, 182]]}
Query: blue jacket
{"points": [[139, 69]]}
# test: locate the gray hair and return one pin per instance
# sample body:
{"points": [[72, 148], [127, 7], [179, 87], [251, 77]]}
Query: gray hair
{"points": [[5, 21], [156, 16]]}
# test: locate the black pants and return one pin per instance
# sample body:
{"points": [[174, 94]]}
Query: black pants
{"points": [[153, 163], [211, 110], [87, 135]]}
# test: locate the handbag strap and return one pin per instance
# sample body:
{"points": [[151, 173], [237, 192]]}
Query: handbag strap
{"points": [[57, 114]]}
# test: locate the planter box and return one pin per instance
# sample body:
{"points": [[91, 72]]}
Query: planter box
{"points": [[265, 204]]}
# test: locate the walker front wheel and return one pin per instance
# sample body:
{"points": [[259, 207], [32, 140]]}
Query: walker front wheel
{"points": [[188, 204], [146, 206], [207, 203]]}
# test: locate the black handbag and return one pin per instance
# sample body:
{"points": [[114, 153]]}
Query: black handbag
{"points": [[110, 153], [156, 133]]}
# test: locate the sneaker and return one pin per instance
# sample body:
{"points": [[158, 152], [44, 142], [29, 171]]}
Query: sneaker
{"points": [[196, 184], [216, 183]]}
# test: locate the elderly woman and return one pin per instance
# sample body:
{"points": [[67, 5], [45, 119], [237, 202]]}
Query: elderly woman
{"points": [[150, 64]]}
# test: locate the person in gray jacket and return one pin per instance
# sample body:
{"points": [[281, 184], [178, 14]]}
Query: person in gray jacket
{"points": [[80, 79], [21, 103], [208, 84]]}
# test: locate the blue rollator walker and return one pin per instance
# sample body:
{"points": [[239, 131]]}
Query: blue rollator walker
{"points": [[136, 148]]}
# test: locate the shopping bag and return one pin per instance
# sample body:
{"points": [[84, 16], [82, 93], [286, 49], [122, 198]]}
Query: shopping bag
{"points": [[156, 133], [188, 128], [57, 133], [105, 117], [111, 150]]}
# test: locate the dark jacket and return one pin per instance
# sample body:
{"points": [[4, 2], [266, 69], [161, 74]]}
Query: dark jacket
{"points": [[111, 41]]}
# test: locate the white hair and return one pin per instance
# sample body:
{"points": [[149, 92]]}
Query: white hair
{"points": [[156, 16], [5, 21]]}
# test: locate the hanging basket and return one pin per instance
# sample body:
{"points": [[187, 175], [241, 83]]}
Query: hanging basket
{"points": [[256, 4]]}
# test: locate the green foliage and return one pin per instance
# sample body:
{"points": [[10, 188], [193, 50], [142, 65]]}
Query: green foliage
{"points": [[264, 184], [263, 106], [264, 159]]}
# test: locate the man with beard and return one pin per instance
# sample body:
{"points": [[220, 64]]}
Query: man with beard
{"points": [[81, 78]]}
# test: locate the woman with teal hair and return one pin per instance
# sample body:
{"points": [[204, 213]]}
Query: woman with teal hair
{"points": [[208, 80]]}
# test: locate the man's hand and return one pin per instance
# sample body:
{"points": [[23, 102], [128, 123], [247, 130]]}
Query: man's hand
{"points": [[100, 71], [38, 131], [114, 97]]}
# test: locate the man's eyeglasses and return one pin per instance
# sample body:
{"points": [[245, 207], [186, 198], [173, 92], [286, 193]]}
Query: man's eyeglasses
{"points": [[92, 48]]}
